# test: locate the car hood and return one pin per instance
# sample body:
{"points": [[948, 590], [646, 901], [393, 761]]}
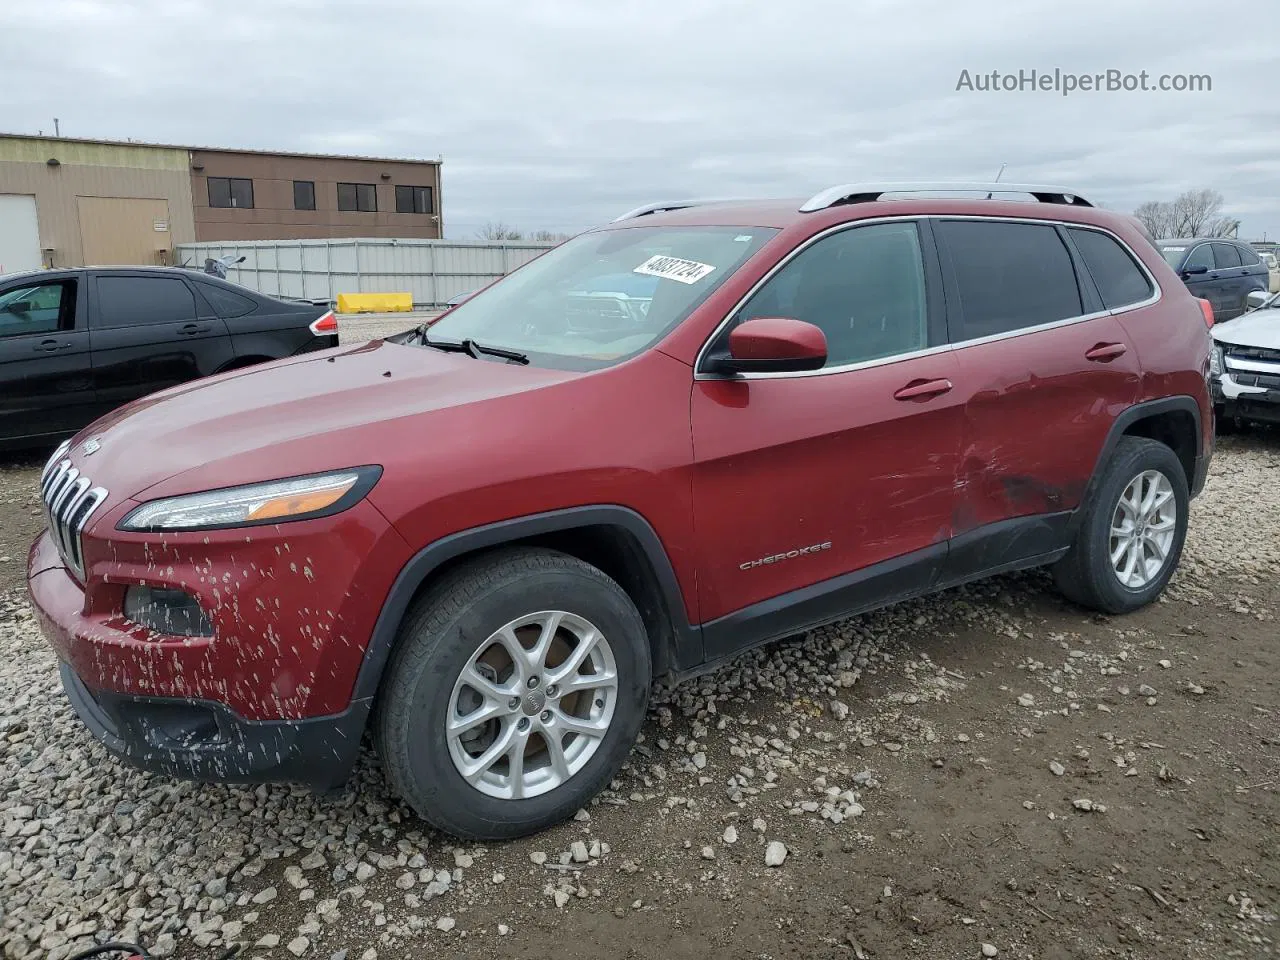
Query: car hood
{"points": [[302, 415], [1261, 328]]}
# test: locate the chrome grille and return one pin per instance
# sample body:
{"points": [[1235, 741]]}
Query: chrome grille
{"points": [[69, 499]]}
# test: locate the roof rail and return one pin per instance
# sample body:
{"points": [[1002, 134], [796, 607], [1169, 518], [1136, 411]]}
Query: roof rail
{"points": [[649, 208], [867, 192]]}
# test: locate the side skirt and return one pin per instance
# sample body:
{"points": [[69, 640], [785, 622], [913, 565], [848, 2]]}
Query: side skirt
{"points": [[1004, 547]]}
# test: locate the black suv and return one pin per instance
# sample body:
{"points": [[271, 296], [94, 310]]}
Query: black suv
{"points": [[75, 344], [1224, 272]]}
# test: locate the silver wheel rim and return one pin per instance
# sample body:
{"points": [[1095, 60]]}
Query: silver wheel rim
{"points": [[532, 705], [1142, 529]]}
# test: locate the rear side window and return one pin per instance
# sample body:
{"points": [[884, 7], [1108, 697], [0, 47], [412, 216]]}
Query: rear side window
{"points": [[1009, 276], [227, 303], [1249, 257], [1119, 279], [133, 301], [1226, 255]]}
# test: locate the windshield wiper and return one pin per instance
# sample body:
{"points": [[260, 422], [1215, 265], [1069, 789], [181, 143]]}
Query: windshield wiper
{"points": [[473, 349]]}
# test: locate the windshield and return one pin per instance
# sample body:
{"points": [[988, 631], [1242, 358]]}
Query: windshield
{"points": [[1172, 254], [602, 297]]}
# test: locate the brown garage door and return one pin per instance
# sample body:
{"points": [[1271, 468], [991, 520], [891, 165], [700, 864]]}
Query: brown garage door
{"points": [[128, 231]]}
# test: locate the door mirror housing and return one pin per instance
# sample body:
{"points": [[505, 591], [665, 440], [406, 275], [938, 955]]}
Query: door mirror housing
{"points": [[1194, 271], [773, 345], [1259, 298]]}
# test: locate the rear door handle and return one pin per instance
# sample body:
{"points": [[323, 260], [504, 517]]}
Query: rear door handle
{"points": [[190, 329], [1105, 352], [922, 389]]}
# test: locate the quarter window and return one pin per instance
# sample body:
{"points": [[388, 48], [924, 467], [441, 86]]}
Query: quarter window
{"points": [[362, 197], [413, 199], [135, 301], [230, 192], [37, 308], [1249, 257], [304, 195], [1010, 276], [1119, 279], [864, 287], [226, 303]]}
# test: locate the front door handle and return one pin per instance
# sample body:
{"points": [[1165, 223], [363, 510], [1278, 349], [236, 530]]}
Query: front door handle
{"points": [[1105, 352], [49, 346], [922, 389]]}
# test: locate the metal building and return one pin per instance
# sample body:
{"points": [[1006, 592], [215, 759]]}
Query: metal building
{"points": [[69, 202]]}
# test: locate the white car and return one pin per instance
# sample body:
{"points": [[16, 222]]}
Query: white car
{"points": [[1245, 365]]}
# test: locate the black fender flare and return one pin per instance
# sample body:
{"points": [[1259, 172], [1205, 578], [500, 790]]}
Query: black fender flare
{"points": [[1126, 419], [687, 638]]}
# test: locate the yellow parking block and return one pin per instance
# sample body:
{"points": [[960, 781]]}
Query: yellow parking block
{"points": [[375, 302]]}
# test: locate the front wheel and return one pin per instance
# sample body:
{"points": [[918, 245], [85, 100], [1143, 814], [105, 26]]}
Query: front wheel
{"points": [[1132, 531], [516, 691]]}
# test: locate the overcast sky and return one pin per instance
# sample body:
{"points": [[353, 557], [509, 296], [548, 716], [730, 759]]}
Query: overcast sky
{"points": [[557, 114]]}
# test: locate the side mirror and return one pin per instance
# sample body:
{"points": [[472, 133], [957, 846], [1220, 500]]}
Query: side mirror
{"points": [[773, 345], [1194, 271], [1258, 298], [19, 307]]}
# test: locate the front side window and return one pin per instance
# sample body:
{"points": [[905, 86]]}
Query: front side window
{"points": [[864, 287], [1010, 276], [413, 199], [357, 197], [135, 301], [230, 192], [37, 308], [1201, 256], [604, 296], [1119, 279]]}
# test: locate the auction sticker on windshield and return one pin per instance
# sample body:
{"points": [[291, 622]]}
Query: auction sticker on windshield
{"points": [[674, 268]]}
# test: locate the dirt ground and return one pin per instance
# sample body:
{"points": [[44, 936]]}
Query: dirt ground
{"points": [[1030, 777]]}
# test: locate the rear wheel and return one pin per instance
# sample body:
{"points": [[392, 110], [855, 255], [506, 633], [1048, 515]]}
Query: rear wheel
{"points": [[1131, 535], [517, 689]]}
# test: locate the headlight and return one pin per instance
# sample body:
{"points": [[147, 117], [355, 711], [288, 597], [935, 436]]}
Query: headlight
{"points": [[278, 501], [1215, 362]]}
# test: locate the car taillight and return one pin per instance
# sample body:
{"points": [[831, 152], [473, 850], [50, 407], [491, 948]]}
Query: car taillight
{"points": [[1207, 309], [325, 324]]}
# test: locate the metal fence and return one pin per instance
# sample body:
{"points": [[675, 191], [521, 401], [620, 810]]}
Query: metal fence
{"points": [[434, 271]]}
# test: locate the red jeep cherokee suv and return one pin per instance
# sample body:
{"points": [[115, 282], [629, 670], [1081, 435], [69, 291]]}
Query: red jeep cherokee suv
{"points": [[700, 428]]}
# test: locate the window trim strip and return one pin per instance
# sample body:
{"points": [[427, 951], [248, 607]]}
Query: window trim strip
{"points": [[700, 374]]}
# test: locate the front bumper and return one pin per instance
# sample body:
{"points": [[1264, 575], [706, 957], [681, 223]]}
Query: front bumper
{"points": [[1232, 401], [202, 740]]}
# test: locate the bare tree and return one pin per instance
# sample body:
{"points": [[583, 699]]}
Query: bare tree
{"points": [[498, 231], [1157, 217], [1195, 213], [547, 236]]}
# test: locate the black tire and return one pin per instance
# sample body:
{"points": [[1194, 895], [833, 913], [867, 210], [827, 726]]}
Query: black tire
{"points": [[440, 635], [1085, 574]]}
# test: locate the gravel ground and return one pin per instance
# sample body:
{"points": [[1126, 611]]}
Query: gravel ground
{"points": [[989, 772]]}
